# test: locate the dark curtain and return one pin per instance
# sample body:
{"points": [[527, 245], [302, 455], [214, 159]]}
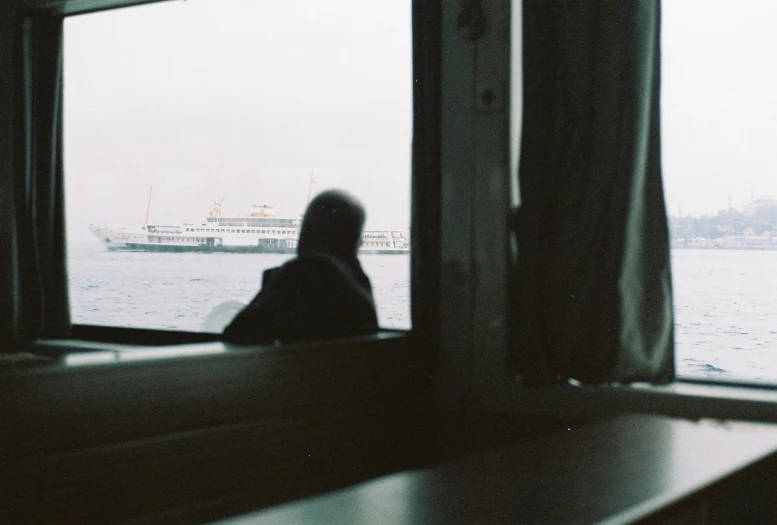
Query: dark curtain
{"points": [[40, 281], [592, 294]]}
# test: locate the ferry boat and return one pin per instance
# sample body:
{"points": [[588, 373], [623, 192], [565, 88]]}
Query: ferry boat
{"points": [[260, 232]]}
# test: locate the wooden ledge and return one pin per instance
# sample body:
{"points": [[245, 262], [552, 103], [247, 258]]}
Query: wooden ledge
{"points": [[617, 471]]}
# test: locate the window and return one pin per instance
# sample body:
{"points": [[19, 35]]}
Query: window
{"points": [[171, 109], [719, 126]]}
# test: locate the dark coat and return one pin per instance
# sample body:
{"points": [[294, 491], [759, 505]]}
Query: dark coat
{"points": [[309, 298]]}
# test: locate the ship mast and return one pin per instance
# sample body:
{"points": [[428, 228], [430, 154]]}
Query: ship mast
{"points": [[310, 186], [217, 209], [148, 208]]}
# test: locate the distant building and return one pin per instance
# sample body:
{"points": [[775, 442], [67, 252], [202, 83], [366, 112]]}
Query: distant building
{"points": [[744, 241], [750, 209]]}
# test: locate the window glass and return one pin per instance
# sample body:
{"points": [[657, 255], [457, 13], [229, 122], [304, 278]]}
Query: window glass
{"points": [[248, 106], [719, 130]]}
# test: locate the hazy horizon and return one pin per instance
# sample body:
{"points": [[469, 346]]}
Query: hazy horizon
{"points": [[239, 99], [719, 109]]}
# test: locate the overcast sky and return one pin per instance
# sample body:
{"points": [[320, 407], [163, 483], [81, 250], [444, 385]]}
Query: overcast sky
{"points": [[719, 103], [241, 99], [238, 99]]}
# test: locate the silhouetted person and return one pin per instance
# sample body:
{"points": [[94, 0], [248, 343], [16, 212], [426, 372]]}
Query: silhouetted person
{"points": [[323, 292]]}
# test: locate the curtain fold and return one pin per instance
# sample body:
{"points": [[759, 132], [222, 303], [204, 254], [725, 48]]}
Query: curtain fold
{"points": [[592, 291], [9, 162], [40, 278]]}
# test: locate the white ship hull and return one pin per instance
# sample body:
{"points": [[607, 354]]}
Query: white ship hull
{"points": [[213, 238]]}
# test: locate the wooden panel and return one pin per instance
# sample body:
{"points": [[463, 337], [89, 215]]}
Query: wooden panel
{"points": [[457, 178], [619, 471], [184, 434], [491, 205], [679, 399], [58, 407], [426, 185], [263, 462]]}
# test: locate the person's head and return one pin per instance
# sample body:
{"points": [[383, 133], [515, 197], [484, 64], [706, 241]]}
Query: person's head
{"points": [[332, 224]]}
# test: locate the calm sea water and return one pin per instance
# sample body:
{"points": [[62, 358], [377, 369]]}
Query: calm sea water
{"points": [[726, 313], [179, 290], [725, 300]]}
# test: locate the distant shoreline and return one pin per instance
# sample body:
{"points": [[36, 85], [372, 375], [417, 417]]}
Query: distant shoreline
{"points": [[727, 248]]}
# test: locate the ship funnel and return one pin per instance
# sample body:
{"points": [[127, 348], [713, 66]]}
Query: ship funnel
{"points": [[262, 211]]}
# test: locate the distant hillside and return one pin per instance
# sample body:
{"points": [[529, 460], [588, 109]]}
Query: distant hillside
{"points": [[761, 221]]}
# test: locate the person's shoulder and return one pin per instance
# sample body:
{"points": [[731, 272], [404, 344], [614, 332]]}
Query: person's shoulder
{"points": [[318, 263], [326, 272], [269, 274]]}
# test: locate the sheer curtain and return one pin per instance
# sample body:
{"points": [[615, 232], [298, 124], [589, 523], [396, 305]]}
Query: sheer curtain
{"points": [[592, 294]]}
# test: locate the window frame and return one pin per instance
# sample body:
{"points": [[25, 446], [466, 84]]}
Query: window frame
{"points": [[419, 271], [234, 395], [465, 376]]}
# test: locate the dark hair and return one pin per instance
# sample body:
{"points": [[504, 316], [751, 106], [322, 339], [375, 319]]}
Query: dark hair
{"points": [[332, 224]]}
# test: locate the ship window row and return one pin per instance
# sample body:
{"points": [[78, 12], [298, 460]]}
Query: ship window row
{"points": [[181, 239], [271, 223], [281, 232], [185, 239], [233, 230]]}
